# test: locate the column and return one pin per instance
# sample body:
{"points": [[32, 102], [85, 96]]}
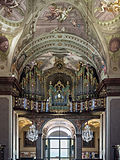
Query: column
{"points": [[6, 125], [15, 136], [110, 88], [39, 147], [9, 88], [102, 136], [112, 125], [78, 146]]}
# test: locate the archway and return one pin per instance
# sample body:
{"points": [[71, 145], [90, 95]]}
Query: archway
{"points": [[58, 140]]}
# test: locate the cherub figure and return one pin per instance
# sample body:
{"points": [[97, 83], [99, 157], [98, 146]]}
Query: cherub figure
{"points": [[9, 3], [57, 13], [110, 6], [7, 6], [63, 14], [53, 13], [103, 6], [116, 6]]}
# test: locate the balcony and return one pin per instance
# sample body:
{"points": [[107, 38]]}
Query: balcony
{"points": [[72, 107]]}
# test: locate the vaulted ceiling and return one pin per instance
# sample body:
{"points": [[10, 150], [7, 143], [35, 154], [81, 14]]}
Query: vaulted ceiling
{"points": [[75, 30]]}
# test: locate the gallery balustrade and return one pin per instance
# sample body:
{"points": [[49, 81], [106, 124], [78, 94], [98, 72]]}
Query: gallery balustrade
{"points": [[45, 106]]}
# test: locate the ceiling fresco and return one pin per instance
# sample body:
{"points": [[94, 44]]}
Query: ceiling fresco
{"points": [[86, 31], [106, 10], [47, 60], [13, 9], [60, 17]]}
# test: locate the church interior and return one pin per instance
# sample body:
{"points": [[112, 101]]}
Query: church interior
{"points": [[59, 79]]}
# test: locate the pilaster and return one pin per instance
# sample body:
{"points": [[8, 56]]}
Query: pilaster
{"points": [[39, 147], [78, 146], [110, 88], [9, 87]]}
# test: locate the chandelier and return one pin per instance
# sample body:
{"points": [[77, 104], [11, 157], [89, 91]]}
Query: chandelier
{"points": [[32, 133], [87, 134]]}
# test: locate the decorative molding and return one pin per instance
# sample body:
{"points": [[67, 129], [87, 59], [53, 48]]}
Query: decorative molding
{"points": [[9, 86], [23, 104], [11, 23], [59, 41], [109, 87]]}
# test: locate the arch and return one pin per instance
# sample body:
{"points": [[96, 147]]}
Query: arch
{"points": [[58, 42], [56, 129], [50, 124]]}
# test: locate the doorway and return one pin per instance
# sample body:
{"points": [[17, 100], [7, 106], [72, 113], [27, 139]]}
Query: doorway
{"points": [[59, 149], [59, 142]]}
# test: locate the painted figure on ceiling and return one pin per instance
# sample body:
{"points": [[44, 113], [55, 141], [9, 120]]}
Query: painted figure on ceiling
{"points": [[4, 44], [110, 6], [106, 10], [9, 3], [12, 9], [57, 13], [114, 44], [63, 14], [7, 6]]}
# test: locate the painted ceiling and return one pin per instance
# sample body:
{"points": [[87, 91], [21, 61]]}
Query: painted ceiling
{"points": [[13, 10], [106, 10], [47, 60], [76, 30]]}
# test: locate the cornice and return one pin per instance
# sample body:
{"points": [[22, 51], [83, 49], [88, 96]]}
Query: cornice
{"points": [[109, 87], [59, 41], [9, 86]]}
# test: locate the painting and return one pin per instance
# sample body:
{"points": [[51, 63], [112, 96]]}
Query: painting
{"points": [[114, 44], [13, 9], [4, 44], [60, 17], [28, 143], [55, 12], [105, 10]]}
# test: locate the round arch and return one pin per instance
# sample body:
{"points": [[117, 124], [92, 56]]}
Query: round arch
{"points": [[65, 124], [58, 42]]}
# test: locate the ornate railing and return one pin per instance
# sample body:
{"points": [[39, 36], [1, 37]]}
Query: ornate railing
{"points": [[74, 106]]}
